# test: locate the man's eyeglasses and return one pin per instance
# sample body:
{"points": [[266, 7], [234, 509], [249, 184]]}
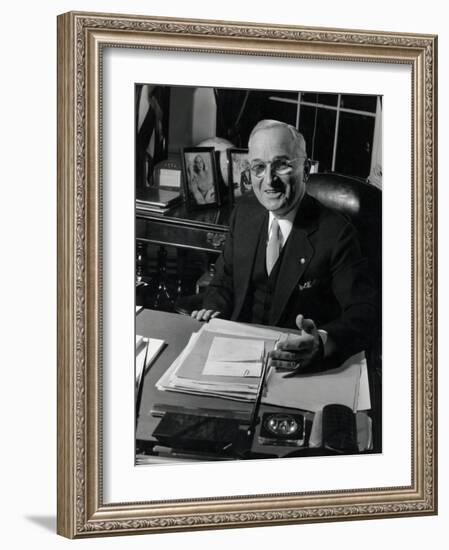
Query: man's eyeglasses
{"points": [[281, 167]]}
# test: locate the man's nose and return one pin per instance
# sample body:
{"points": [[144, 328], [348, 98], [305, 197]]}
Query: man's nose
{"points": [[268, 174], [271, 178]]}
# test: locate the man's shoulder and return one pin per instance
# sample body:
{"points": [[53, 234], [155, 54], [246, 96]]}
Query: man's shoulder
{"points": [[313, 214], [330, 215]]}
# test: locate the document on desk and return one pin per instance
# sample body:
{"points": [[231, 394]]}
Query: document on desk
{"points": [[312, 392], [235, 357], [192, 373], [220, 361], [242, 330], [214, 361]]}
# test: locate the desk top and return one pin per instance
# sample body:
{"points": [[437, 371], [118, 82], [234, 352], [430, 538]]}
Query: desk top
{"points": [[208, 218], [175, 330]]}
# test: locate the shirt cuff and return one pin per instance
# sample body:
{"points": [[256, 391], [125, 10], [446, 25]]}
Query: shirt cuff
{"points": [[323, 336]]}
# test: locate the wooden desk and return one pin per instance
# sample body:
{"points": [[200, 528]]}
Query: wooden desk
{"points": [[175, 330], [204, 230], [199, 230]]}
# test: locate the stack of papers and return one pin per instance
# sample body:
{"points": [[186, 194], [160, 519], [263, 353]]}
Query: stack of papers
{"points": [[226, 359], [156, 199], [223, 359]]}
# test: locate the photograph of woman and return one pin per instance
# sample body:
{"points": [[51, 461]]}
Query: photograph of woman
{"points": [[200, 178]]}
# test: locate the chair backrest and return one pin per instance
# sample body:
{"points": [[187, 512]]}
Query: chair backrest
{"points": [[362, 204]]}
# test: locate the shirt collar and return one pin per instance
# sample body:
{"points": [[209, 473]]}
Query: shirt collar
{"points": [[285, 223]]}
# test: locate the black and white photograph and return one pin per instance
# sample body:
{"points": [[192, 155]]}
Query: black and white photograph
{"points": [[200, 342], [200, 177], [259, 329], [239, 173]]}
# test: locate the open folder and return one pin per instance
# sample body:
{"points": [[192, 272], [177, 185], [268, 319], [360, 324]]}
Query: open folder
{"points": [[225, 359]]}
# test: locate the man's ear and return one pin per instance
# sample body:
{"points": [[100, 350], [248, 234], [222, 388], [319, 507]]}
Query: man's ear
{"points": [[306, 170]]}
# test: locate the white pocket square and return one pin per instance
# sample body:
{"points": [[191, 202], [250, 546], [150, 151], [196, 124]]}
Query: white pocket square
{"points": [[306, 285]]}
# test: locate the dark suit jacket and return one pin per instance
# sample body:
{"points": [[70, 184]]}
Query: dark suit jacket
{"points": [[322, 274]]}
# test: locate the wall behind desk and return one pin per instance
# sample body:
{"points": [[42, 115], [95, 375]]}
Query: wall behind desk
{"points": [[28, 274]]}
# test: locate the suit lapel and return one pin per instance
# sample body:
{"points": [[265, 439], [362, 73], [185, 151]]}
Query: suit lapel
{"points": [[255, 222], [295, 258]]}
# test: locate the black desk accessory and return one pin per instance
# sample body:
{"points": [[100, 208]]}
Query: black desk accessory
{"points": [[194, 432], [339, 429], [290, 429]]}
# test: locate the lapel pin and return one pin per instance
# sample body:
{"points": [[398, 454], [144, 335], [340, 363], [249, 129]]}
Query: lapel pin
{"points": [[302, 260]]}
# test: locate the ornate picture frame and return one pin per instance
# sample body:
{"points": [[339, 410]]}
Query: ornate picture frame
{"points": [[83, 510]]}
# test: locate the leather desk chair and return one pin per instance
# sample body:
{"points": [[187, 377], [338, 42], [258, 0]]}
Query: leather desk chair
{"points": [[362, 204]]}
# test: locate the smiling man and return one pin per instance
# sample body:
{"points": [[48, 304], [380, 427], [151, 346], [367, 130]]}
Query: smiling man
{"points": [[291, 262], [277, 155]]}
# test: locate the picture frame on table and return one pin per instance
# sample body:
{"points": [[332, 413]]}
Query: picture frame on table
{"points": [[200, 178], [239, 173], [101, 491]]}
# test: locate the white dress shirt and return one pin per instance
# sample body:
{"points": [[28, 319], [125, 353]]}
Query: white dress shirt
{"points": [[285, 224]]}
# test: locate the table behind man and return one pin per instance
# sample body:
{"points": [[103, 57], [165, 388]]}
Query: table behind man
{"points": [[291, 262]]}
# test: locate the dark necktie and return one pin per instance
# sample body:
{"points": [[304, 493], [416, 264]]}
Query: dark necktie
{"points": [[274, 245]]}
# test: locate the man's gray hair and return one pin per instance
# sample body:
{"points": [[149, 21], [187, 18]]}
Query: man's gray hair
{"points": [[298, 138]]}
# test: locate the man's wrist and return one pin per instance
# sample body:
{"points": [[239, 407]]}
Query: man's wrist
{"points": [[328, 343], [322, 338]]}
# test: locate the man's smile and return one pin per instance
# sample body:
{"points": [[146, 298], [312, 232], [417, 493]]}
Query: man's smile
{"points": [[276, 188]]}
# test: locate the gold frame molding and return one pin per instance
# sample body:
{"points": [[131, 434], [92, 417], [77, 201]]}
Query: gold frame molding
{"points": [[81, 37]]}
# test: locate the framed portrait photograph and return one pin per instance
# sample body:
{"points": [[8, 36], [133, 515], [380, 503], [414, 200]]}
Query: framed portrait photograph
{"points": [[201, 187], [344, 132], [239, 173], [209, 349]]}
